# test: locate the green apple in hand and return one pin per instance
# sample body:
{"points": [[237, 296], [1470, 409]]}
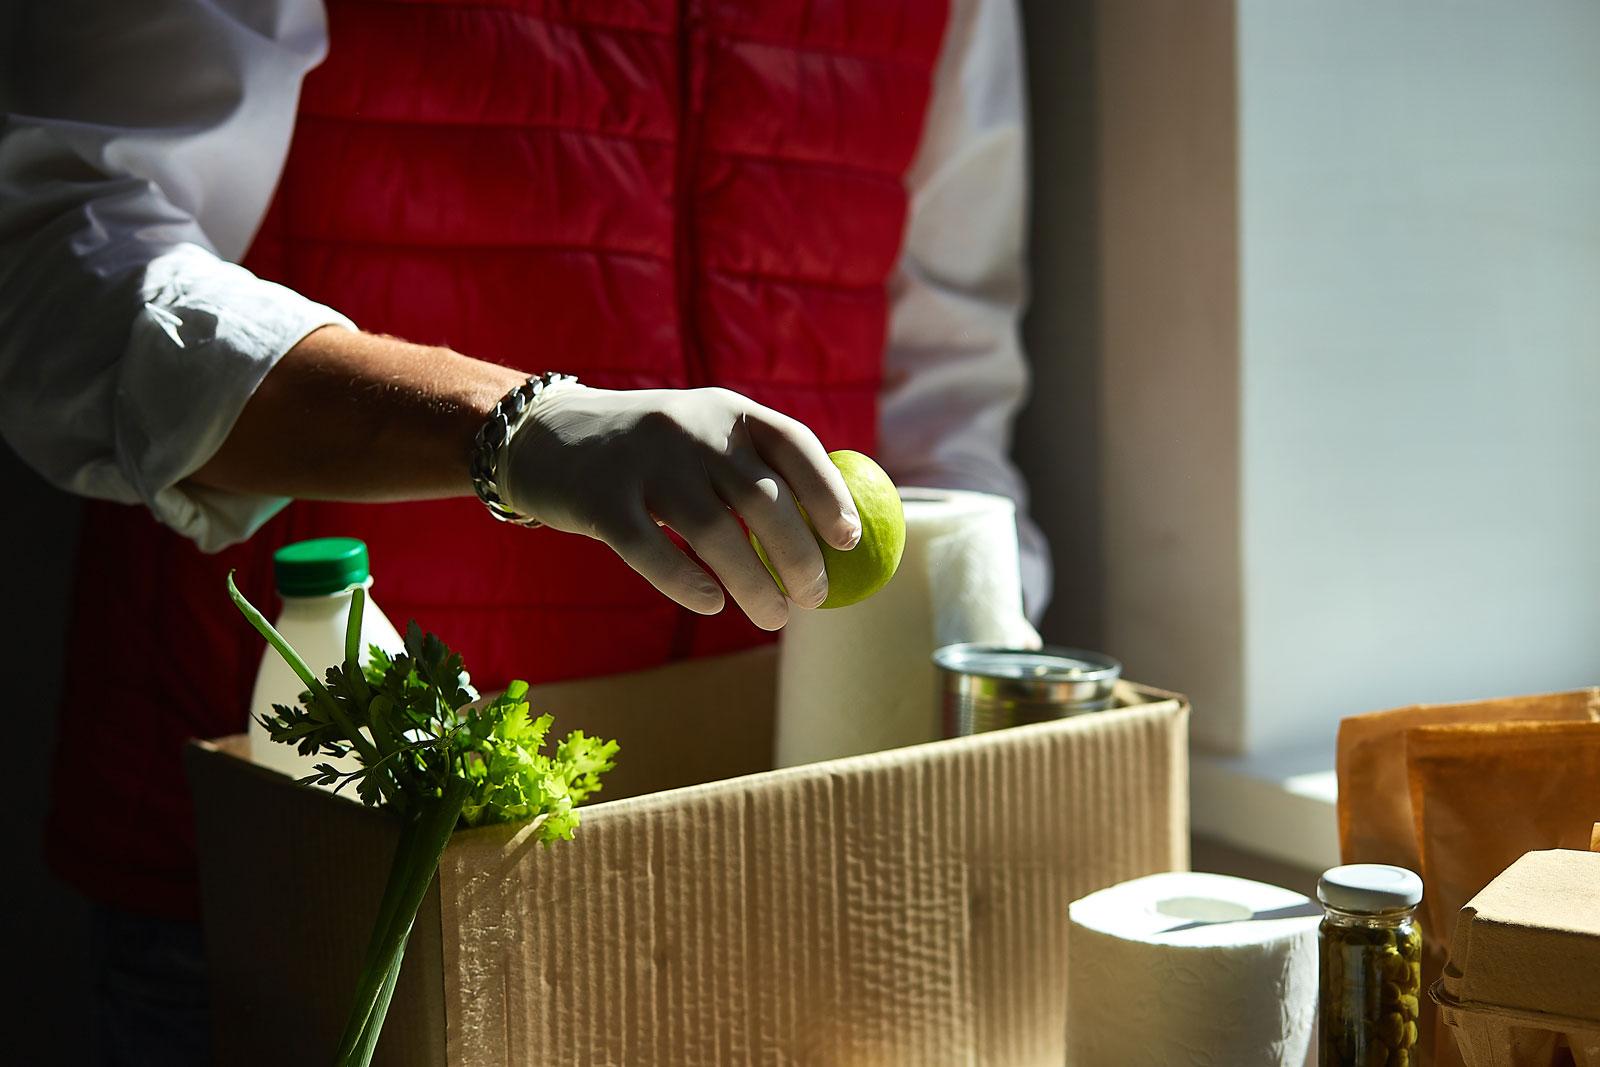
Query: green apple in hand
{"points": [[863, 570]]}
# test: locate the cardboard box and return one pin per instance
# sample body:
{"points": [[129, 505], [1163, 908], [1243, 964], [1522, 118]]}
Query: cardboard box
{"points": [[1523, 978], [907, 907]]}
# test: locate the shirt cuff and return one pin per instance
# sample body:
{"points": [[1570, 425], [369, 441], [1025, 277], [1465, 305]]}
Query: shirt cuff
{"points": [[208, 332]]}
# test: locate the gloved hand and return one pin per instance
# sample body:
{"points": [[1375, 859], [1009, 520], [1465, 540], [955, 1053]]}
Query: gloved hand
{"points": [[612, 464]]}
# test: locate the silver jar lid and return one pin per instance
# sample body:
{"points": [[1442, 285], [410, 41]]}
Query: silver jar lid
{"points": [[1369, 888]]}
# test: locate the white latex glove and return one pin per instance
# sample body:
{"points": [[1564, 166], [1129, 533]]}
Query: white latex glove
{"points": [[616, 465]]}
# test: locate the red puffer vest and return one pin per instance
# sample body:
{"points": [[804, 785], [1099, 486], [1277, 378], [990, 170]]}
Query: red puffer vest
{"points": [[641, 192]]}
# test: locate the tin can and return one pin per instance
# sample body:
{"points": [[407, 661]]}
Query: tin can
{"points": [[991, 687]]}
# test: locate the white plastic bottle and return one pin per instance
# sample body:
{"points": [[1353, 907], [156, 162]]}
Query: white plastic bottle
{"points": [[317, 581]]}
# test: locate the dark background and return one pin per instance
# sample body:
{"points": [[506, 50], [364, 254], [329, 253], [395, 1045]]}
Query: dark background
{"points": [[46, 943]]}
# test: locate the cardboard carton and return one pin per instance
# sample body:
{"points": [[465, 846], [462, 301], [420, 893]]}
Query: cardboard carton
{"points": [[1523, 979], [908, 907]]}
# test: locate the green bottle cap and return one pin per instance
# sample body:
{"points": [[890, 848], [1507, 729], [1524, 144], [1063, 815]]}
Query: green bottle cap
{"points": [[320, 567]]}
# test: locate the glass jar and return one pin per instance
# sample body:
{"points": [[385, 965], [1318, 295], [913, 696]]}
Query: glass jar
{"points": [[1371, 966]]}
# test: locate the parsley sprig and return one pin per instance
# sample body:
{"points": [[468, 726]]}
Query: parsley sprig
{"points": [[429, 750]]}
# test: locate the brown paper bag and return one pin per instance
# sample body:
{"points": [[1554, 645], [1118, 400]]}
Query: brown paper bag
{"points": [[1481, 796], [1378, 823], [1375, 818]]}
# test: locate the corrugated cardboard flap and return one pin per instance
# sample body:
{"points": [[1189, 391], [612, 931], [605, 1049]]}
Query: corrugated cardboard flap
{"points": [[290, 880], [907, 907]]}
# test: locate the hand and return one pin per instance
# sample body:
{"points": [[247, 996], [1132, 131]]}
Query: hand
{"points": [[616, 465]]}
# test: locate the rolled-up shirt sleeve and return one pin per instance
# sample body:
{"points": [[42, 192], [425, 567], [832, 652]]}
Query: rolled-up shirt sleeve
{"points": [[140, 148], [955, 375]]}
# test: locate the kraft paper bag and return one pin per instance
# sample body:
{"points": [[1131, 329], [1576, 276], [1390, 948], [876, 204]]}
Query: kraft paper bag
{"points": [[1378, 823], [1482, 795], [1375, 818]]}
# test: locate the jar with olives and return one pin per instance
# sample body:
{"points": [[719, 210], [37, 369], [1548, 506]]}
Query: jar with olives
{"points": [[1371, 966]]}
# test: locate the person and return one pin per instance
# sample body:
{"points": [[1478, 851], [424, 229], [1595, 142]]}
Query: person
{"points": [[260, 252]]}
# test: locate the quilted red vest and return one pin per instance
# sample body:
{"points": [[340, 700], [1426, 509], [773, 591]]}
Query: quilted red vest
{"points": [[640, 192]]}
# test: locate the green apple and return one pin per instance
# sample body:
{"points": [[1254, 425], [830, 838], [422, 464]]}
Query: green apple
{"points": [[863, 570]]}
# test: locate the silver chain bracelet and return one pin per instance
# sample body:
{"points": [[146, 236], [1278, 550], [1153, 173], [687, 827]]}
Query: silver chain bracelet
{"points": [[489, 445]]}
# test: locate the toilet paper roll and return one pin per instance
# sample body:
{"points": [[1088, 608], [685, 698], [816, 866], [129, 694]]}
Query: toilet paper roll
{"points": [[1173, 970], [861, 679]]}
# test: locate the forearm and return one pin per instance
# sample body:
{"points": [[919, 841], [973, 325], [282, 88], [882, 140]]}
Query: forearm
{"points": [[354, 416]]}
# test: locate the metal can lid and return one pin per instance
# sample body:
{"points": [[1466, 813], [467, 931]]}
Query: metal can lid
{"points": [[1047, 664], [1369, 888]]}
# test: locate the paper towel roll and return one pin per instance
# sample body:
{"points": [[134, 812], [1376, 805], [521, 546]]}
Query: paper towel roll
{"points": [[860, 679], [1170, 970]]}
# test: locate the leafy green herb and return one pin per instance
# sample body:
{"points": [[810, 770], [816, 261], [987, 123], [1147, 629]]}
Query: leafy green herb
{"points": [[437, 756]]}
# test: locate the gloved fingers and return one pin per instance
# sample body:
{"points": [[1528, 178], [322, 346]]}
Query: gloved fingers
{"points": [[646, 548], [768, 508], [702, 519], [790, 448]]}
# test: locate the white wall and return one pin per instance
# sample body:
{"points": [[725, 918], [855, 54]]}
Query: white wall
{"points": [[1169, 385], [1419, 196]]}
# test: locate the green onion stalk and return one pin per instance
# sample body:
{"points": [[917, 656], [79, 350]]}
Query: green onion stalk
{"points": [[431, 752]]}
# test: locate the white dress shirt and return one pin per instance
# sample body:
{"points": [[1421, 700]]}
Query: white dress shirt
{"points": [[141, 148]]}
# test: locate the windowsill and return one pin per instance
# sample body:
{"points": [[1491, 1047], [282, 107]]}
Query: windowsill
{"points": [[1275, 804]]}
